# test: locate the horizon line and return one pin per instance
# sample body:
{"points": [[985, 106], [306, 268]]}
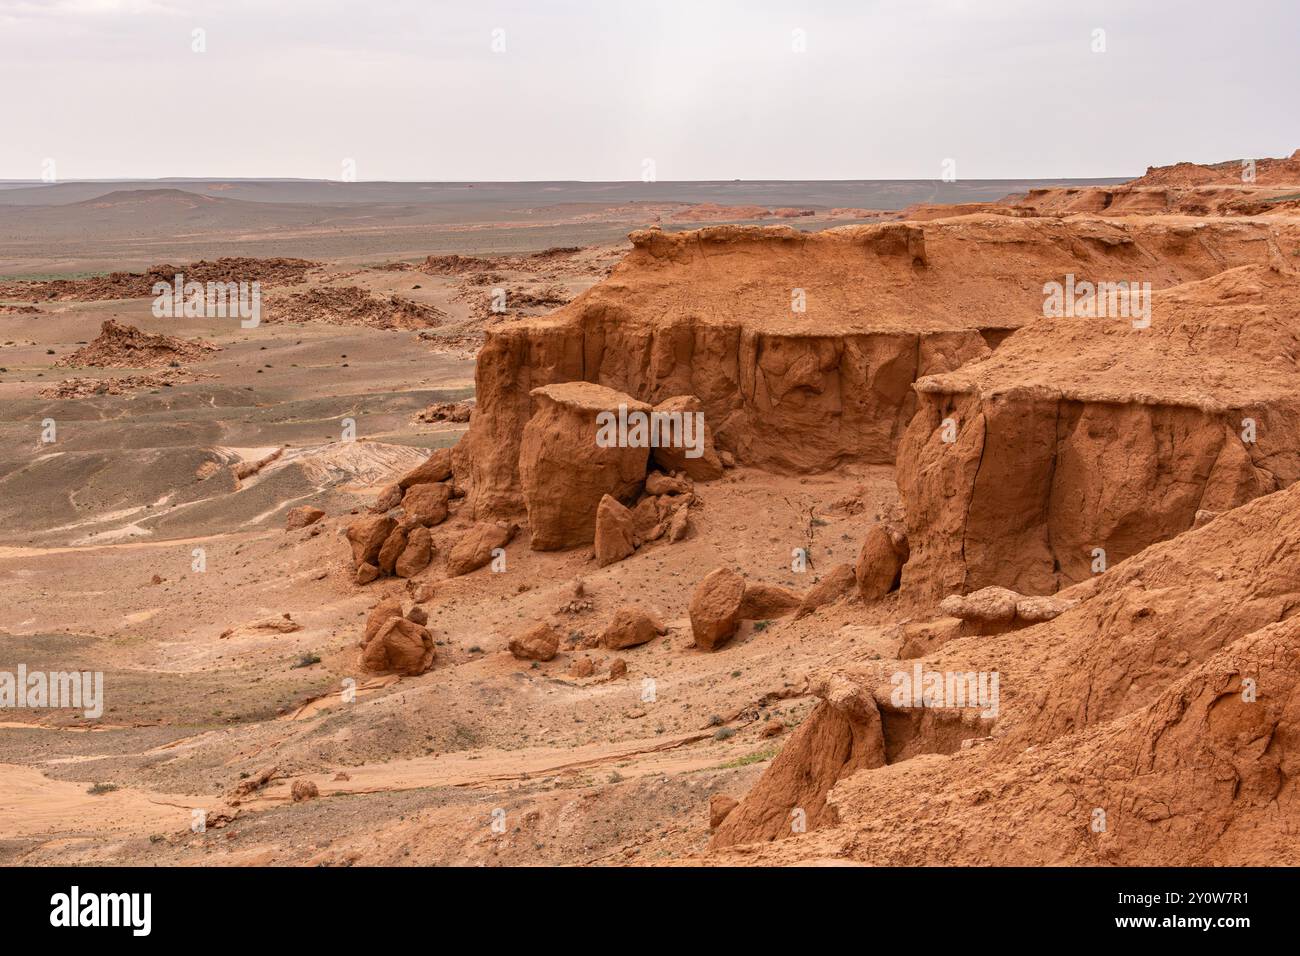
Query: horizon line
{"points": [[537, 182]]}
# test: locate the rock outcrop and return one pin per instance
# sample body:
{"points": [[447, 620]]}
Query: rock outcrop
{"points": [[565, 470], [1083, 440], [801, 348], [842, 735]]}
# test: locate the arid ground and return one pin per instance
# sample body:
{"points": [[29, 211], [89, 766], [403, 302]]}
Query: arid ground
{"points": [[364, 588]]}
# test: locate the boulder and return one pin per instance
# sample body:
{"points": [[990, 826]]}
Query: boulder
{"points": [[417, 554], [392, 549], [631, 626], [367, 535], [708, 465], [880, 562], [427, 503], [617, 669], [383, 612], [646, 523], [991, 606], [582, 667], [303, 790], [715, 607], [679, 523], [301, 517], [475, 547], [1033, 610], [615, 530], [762, 602], [538, 643], [366, 573], [400, 646], [657, 483], [437, 467], [840, 582], [564, 471], [388, 499]]}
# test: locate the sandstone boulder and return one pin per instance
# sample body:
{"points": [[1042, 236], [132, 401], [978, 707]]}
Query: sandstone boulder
{"points": [[538, 643], [366, 573], [563, 470], [301, 517], [988, 607], [391, 550], [367, 535], [427, 502], [475, 547], [630, 627], [417, 554], [400, 646], [715, 607], [389, 498], [303, 790], [383, 612], [437, 467], [646, 523], [679, 523], [657, 483], [615, 531], [762, 602], [1033, 610]]}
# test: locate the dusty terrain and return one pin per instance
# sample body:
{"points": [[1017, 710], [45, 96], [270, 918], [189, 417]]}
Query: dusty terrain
{"points": [[364, 588]]}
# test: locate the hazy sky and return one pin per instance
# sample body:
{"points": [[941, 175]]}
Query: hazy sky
{"points": [[590, 89]]}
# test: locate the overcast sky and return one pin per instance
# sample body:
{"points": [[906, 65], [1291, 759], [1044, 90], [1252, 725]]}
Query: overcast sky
{"points": [[591, 89]]}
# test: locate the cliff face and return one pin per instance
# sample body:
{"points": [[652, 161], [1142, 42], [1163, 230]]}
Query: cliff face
{"points": [[803, 347], [1088, 434]]}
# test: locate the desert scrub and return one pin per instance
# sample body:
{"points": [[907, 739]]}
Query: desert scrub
{"points": [[757, 756]]}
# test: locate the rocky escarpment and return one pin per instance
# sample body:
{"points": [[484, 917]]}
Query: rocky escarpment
{"points": [[1152, 720], [1083, 440], [802, 347]]}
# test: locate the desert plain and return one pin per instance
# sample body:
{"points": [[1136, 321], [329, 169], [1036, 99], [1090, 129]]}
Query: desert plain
{"points": [[362, 588]]}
